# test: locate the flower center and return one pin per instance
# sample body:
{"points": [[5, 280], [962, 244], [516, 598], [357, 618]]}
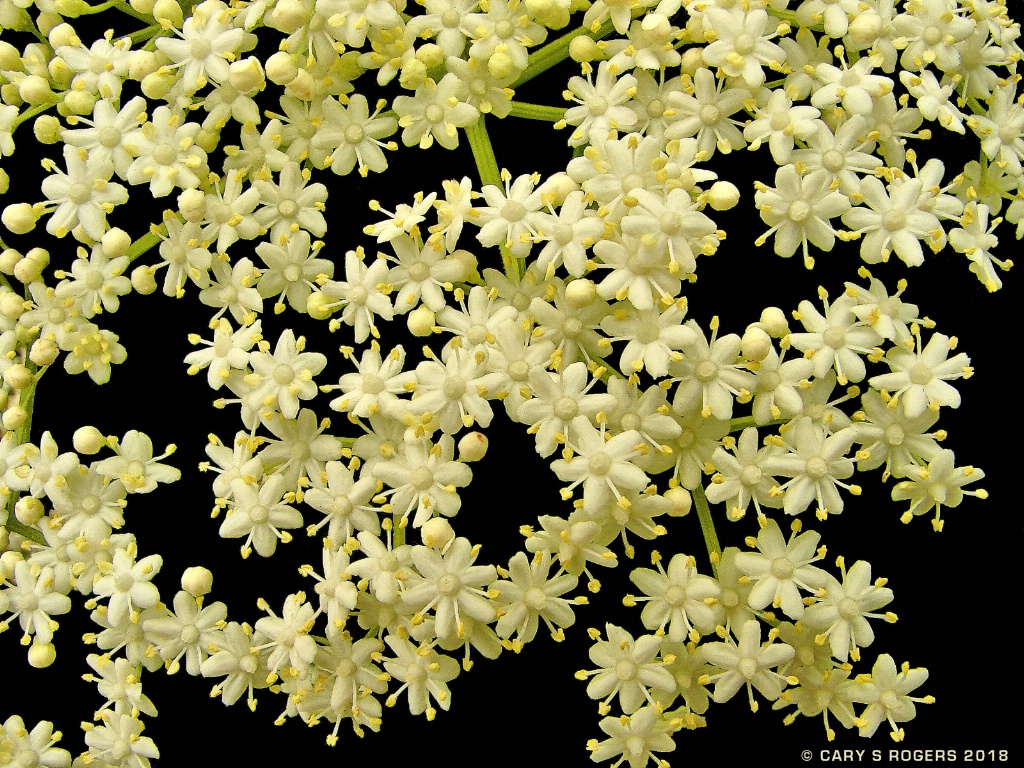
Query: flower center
{"points": [[747, 667], [165, 154], [710, 114], [79, 193], [706, 370], [626, 670], [354, 134], [750, 475], [288, 208], [599, 464], [513, 211], [833, 160], [817, 467], [434, 113], [799, 210], [565, 408], [894, 220], [259, 514], [421, 479], [920, 374], [535, 599], [283, 374], [835, 337], [200, 48], [782, 568], [744, 43], [849, 609], [895, 435]]}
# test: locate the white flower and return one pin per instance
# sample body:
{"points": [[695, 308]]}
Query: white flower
{"points": [[559, 399], [286, 376], [424, 674], [119, 736], [887, 695], [627, 668], [291, 269], [291, 204], [376, 385], [33, 747], [529, 596], [83, 196], [184, 254], [228, 351], [780, 569], [889, 437], [680, 599], [653, 338], [33, 599], [977, 241], [637, 737], [166, 155], [836, 338], [740, 477], [842, 614], [106, 132], [455, 392], [430, 115], [817, 464], [135, 466], [740, 46], [421, 274], [355, 135], [96, 282], [748, 663], [603, 467], [344, 502], [602, 105], [128, 584], [707, 114], [232, 289], [424, 477], [259, 515], [938, 485], [94, 351], [209, 40], [288, 634], [933, 99], [190, 632], [709, 375], [919, 378], [781, 123]]}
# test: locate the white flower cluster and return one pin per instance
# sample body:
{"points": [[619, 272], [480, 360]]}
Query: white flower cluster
{"points": [[583, 337]]}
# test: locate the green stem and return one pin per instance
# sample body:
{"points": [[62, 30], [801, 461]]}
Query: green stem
{"points": [[487, 168], [145, 34], [537, 112], [144, 243], [25, 531], [707, 526], [21, 436], [557, 51], [28, 114]]}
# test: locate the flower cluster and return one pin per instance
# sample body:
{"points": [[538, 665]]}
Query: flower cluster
{"points": [[583, 338]]}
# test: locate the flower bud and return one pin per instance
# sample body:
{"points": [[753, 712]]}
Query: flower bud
{"points": [[500, 65], [19, 218], [8, 258], [142, 63], [144, 280], [169, 11], [70, 9], [864, 29], [157, 84], [317, 306], [468, 262], [421, 321], [282, 68], [192, 205], [691, 61], [774, 322], [8, 560], [63, 34], [17, 376], [41, 655], [680, 498], [436, 533], [723, 195], [46, 129], [11, 305], [115, 242], [584, 48], [413, 75], [14, 417], [247, 74], [288, 16], [10, 58], [29, 510], [756, 344], [197, 581], [43, 352], [78, 103], [557, 187], [431, 55], [581, 292], [473, 446], [143, 6], [5, 182], [88, 440], [35, 90], [47, 21], [30, 268], [302, 87], [207, 140]]}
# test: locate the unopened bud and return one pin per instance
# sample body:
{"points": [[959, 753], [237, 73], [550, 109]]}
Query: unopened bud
{"points": [[247, 74], [62, 34], [473, 447], [468, 262], [143, 6], [584, 48], [35, 90], [41, 655], [192, 205], [169, 11], [8, 560], [144, 280], [691, 61], [774, 322], [197, 581], [282, 68], [302, 87], [29, 510], [19, 218], [289, 16], [79, 102], [318, 306], [421, 321], [5, 182], [43, 352], [88, 441], [437, 532], [115, 242], [681, 501], [12, 305], [864, 29], [431, 55], [756, 344], [15, 416], [581, 292], [8, 258], [17, 376], [557, 187], [501, 66], [723, 195]]}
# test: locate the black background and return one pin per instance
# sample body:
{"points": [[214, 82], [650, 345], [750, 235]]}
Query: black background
{"points": [[957, 592]]}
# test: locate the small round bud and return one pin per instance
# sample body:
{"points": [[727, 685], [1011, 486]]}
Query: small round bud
{"points": [[5, 182], [414, 74], [500, 65], [79, 103], [864, 29], [17, 376], [157, 84], [9, 95], [247, 74], [348, 67], [473, 447], [581, 292], [69, 9], [10, 58], [282, 68], [723, 195], [436, 533], [681, 501], [88, 441], [46, 129], [12, 305], [468, 262], [302, 87], [431, 55], [207, 140], [30, 268], [41, 655], [756, 344], [774, 322], [557, 187], [115, 242], [144, 280], [691, 61], [169, 11], [192, 204], [63, 34], [43, 352], [29, 510], [8, 560], [142, 63], [143, 6], [318, 306], [35, 90], [289, 16], [19, 218], [421, 321], [14, 417], [8, 258], [584, 48], [197, 581]]}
